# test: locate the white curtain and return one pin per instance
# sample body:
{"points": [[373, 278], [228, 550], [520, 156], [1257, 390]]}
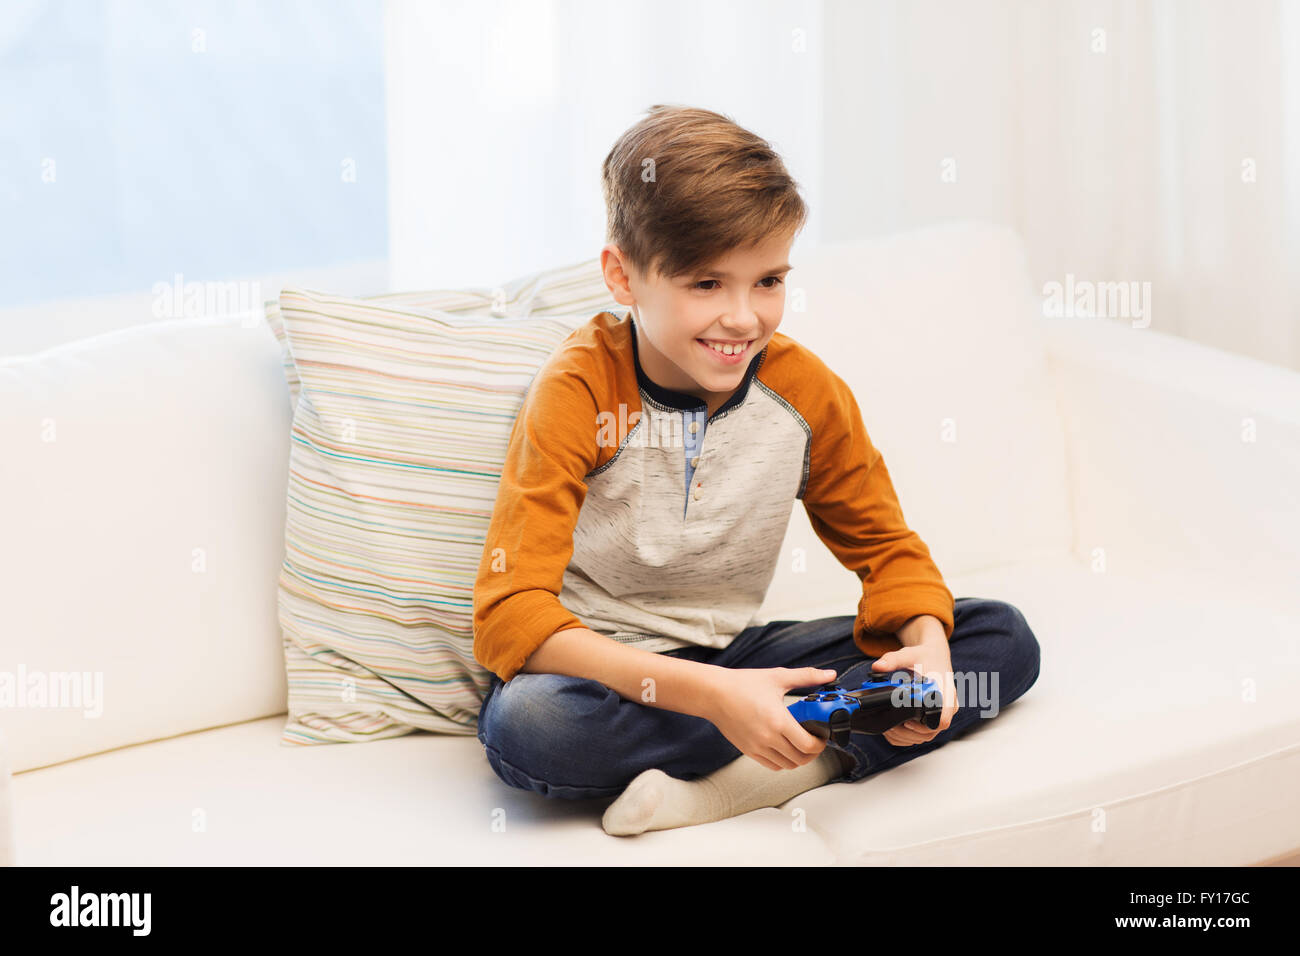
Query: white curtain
{"points": [[500, 113], [1152, 142], [1127, 142]]}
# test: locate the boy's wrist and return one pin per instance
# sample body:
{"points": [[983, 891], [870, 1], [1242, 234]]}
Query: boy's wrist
{"points": [[921, 629], [703, 683]]}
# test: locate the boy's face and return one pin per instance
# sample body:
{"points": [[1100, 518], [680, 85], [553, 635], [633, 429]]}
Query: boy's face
{"points": [[740, 299]]}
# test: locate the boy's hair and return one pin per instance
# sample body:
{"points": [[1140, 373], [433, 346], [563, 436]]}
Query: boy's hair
{"points": [[684, 187]]}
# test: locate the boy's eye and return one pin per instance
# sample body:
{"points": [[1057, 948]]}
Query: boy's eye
{"points": [[775, 280]]}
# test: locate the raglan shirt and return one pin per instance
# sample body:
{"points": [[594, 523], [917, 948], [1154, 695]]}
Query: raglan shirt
{"points": [[614, 513]]}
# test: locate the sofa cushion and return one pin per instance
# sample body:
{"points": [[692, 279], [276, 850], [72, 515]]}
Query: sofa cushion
{"points": [[939, 335], [1075, 772], [142, 507], [1141, 743], [231, 797], [396, 450]]}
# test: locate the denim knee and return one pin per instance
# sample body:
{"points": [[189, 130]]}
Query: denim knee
{"points": [[1023, 654], [542, 732], [532, 710]]}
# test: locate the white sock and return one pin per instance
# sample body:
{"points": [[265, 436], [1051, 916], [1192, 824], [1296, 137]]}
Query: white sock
{"points": [[656, 801]]}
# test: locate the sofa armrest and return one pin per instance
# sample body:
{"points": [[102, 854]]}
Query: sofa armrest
{"points": [[1181, 457]]}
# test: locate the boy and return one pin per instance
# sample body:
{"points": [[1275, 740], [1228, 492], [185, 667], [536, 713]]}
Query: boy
{"points": [[643, 503]]}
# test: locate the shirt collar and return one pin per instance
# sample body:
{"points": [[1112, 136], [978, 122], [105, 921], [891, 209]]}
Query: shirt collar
{"points": [[681, 400]]}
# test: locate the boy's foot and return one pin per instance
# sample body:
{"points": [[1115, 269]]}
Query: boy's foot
{"points": [[657, 801], [635, 808]]}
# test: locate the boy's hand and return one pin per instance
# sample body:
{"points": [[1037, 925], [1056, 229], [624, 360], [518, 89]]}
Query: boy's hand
{"points": [[749, 709], [932, 660]]}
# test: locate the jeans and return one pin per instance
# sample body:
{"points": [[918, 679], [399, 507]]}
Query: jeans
{"points": [[574, 738]]}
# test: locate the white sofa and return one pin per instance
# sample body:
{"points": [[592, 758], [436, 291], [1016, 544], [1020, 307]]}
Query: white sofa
{"points": [[1101, 477]]}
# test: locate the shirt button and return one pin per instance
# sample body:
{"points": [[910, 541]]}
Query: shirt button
{"points": [[695, 461], [694, 427], [697, 492]]}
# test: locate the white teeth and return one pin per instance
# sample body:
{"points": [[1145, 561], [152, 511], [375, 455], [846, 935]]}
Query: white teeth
{"points": [[726, 349]]}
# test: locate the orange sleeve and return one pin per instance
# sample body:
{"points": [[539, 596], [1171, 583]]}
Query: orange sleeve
{"points": [[530, 539], [852, 507]]}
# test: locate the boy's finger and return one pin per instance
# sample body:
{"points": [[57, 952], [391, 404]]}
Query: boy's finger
{"points": [[902, 738], [805, 742], [913, 732]]}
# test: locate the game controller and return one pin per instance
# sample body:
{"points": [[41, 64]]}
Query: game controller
{"points": [[884, 701]]}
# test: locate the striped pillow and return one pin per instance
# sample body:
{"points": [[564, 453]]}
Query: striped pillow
{"points": [[399, 436], [567, 290]]}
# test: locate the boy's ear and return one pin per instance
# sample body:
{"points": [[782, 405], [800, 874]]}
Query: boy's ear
{"points": [[616, 277]]}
